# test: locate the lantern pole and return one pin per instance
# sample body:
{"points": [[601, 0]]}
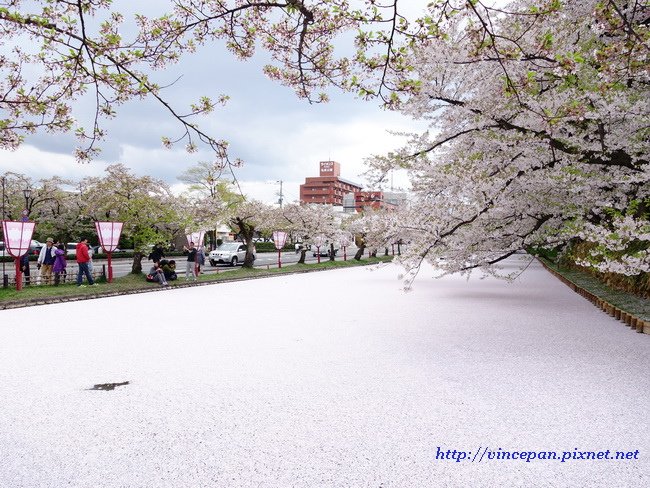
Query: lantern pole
{"points": [[19, 275], [109, 256]]}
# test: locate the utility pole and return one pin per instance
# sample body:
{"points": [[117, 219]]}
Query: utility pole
{"points": [[281, 199]]}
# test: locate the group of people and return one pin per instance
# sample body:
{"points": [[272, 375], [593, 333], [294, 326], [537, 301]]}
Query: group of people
{"points": [[52, 262], [195, 259], [163, 271]]}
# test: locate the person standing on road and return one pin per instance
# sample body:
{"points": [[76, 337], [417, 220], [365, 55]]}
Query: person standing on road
{"points": [[191, 261], [24, 267], [46, 261], [157, 253], [90, 259], [200, 259], [60, 263], [82, 261]]}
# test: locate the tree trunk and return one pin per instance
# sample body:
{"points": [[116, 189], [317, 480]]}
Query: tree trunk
{"points": [[360, 252], [136, 268], [332, 252], [303, 255], [249, 260], [247, 232]]}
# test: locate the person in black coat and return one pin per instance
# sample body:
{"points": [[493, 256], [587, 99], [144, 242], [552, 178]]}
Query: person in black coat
{"points": [[190, 268], [157, 253], [24, 267]]}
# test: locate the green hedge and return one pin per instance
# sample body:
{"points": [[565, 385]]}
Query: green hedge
{"points": [[270, 247]]}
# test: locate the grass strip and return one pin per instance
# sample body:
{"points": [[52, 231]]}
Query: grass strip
{"points": [[632, 304], [132, 283]]}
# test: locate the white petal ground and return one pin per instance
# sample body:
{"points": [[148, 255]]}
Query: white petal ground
{"points": [[335, 379]]}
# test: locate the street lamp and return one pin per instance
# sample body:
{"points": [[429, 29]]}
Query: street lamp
{"points": [[281, 199], [27, 193]]}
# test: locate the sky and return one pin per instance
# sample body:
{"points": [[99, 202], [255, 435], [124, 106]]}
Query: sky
{"points": [[277, 135]]}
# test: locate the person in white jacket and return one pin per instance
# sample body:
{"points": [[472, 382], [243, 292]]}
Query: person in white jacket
{"points": [[45, 261]]}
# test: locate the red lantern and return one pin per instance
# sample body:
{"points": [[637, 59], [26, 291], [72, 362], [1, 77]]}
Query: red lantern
{"points": [[18, 237], [109, 236], [344, 241], [279, 238]]}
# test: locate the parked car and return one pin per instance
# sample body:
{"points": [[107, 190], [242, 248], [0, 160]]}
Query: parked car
{"points": [[100, 250], [34, 248], [228, 253], [71, 249], [324, 250]]}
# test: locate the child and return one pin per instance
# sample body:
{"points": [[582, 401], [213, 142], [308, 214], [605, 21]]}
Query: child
{"points": [[60, 264]]}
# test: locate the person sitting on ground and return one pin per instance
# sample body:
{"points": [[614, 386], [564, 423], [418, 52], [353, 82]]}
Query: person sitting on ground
{"points": [[156, 275], [60, 264], [169, 268]]}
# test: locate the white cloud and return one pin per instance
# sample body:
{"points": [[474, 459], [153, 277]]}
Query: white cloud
{"points": [[278, 136], [38, 163]]}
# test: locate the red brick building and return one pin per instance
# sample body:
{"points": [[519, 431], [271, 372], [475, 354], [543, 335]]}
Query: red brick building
{"points": [[328, 188], [373, 200]]}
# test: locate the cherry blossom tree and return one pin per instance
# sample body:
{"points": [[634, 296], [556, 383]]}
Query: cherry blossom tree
{"points": [[145, 205], [310, 221], [539, 133], [247, 218], [208, 199], [53, 203], [374, 229], [56, 52], [58, 209]]}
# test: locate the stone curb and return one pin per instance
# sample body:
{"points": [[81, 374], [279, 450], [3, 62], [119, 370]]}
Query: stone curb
{"points": [[635, 323], [76, 298]]}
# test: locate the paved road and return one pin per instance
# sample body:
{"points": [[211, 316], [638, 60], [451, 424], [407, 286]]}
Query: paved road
{"points": [[122, 266]]}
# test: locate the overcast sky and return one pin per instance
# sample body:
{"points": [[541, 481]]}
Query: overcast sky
{"points": [[278, 136]]}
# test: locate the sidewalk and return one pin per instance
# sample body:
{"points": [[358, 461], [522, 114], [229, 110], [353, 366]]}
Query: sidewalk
{"points": [[336, 379]]}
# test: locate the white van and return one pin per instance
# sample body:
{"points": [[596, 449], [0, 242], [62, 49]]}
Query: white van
{"points": [[71, 249]]}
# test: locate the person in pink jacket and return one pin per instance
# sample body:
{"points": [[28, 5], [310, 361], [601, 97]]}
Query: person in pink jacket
{"points": [[82, 260]]}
